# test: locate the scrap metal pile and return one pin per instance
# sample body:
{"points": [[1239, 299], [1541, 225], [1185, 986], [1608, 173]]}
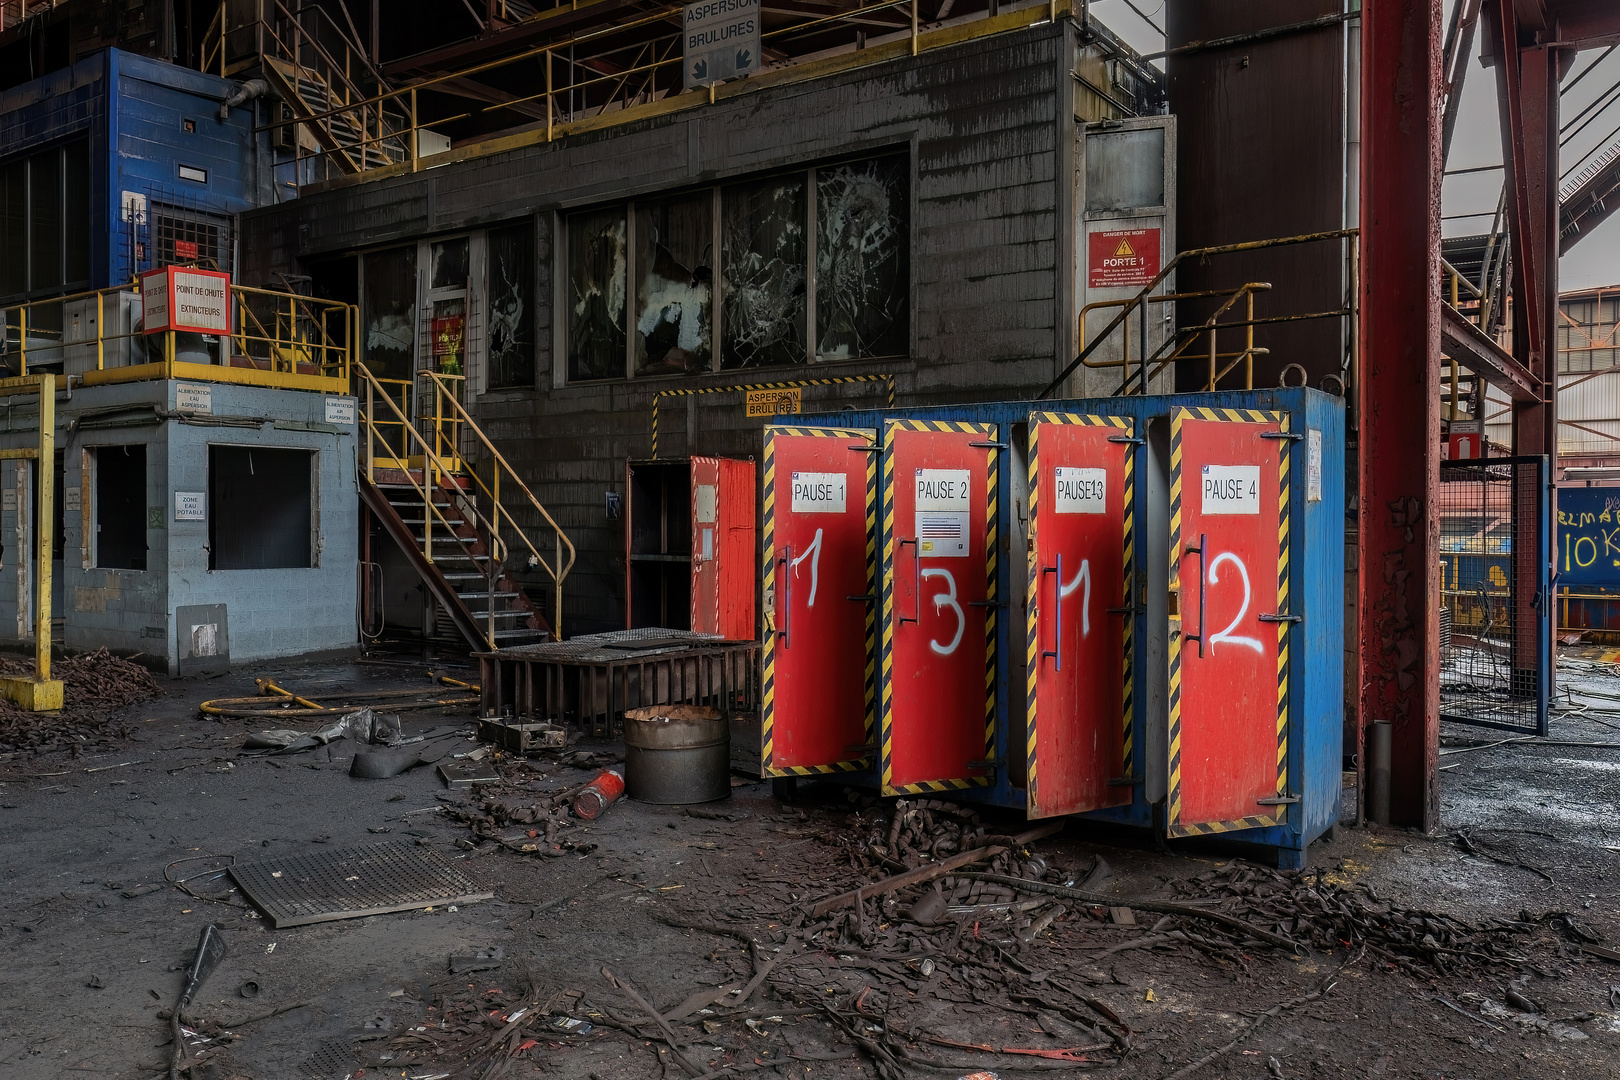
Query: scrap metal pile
{"points": [[97, 687]]}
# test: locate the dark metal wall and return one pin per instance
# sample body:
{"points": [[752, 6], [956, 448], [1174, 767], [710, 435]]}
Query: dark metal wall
{"points": [[1261, 154], [983, 122]]}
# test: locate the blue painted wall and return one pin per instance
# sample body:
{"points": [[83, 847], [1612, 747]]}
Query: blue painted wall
{"points": [[133, 111]]}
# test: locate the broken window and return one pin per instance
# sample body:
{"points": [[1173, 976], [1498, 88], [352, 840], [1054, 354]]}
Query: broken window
{"points": [[597, 272], [511, 306], [763, 261], [675, 284], [449, 259], [388, 312], [121, 507], [259, 508], [863, 275]]}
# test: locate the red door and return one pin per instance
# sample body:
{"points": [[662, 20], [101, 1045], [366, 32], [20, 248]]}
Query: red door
{"points": [[1228, 651], [818, 569], [939, 572], [723, 547], [1079, 626]]}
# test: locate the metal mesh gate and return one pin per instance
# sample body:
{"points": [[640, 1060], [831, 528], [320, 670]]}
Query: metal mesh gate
{"points": [[1495, 660]]}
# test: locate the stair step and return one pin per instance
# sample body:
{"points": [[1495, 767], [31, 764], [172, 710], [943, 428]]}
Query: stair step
{"points": [[485, 595], [509, 634], [436, 521]]}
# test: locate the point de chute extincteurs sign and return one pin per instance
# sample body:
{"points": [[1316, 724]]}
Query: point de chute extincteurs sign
{"points": [[179, 298], [720, 40]]}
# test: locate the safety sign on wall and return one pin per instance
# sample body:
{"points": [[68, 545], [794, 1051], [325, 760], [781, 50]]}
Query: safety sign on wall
{"points": [[1122, 258], [720, 40]]}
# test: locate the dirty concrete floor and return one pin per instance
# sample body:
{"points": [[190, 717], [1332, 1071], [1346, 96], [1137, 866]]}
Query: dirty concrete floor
{"points": [[88, 971]]}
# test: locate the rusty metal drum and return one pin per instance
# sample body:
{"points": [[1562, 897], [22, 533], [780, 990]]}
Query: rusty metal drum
{"points": [[675, 754]]}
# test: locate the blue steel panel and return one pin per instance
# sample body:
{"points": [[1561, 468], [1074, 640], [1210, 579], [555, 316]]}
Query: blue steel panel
{"points": [[1316, 685]]}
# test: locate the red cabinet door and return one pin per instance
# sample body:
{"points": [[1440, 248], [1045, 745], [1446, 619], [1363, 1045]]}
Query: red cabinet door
{"points": [[818, 565], [723, 547], [1229, 649], [1081, 502], [938, 673]]}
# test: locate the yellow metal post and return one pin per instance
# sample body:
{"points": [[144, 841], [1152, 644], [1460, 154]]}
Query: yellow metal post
{"points": [[42, 693]]}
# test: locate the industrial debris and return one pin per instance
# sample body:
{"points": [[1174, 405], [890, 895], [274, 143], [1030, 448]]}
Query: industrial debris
{"points": [[97, 687]]}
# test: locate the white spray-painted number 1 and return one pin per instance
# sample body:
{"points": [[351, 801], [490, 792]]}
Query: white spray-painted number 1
{"points": [[1215, 579], [813, 553], [1082, 576], [942, 601]]}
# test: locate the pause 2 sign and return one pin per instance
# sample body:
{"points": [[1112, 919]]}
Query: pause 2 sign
{"points": [[1231, 489]]}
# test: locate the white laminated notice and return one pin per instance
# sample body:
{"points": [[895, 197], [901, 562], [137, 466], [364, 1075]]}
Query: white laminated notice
{"points": [[1231, 489], [943, 513], [819, 492], [1313, 464], [1079, 491], [707, 502]]}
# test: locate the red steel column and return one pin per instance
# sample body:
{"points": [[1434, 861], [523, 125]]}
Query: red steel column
{"points": [[1398, 395]]}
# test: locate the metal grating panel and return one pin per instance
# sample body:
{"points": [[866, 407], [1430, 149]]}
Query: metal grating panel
{"points": [[332, 1060], [347, 884], [611, 647]]}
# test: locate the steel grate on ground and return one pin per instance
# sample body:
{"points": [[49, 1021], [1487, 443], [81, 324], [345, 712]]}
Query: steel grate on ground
{"points": [[349, 883], [610, 647]]}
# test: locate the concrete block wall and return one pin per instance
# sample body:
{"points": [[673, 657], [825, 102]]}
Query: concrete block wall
{"points": [[987, 125], [271, 613]]}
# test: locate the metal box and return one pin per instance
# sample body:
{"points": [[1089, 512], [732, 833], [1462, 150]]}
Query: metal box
{"points": [[520, 737], [1127, 608], [120, 338]]}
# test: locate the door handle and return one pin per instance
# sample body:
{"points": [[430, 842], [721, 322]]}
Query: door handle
{"points": [[1203, 591], [916, 566], [1057, 604], [786, 562]]}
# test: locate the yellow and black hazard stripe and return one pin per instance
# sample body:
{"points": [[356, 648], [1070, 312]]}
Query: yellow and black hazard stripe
{"points": [[691, 391], [1173, 824], [1032, 660], [768, 660], [886, 653]]}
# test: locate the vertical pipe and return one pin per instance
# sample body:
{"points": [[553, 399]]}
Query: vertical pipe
{"points": [[100, 331], [914, 26], [413, 130], [1399, 397], [1248, 341], [45, 526], [1378, 773], [551, 108]]}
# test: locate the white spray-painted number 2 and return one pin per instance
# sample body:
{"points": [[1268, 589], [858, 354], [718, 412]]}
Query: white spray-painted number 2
{"points": [[813, 553], [1215, 579], [1081, 577], [942, 601]]}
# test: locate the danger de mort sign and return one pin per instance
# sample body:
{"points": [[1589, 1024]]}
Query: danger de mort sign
{"points": [[1122, 258], [721, 41]]}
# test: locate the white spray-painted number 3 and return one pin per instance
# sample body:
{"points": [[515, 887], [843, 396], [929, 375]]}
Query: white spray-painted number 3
{"points": [[942, 601], [813, 553], [1081, 577], [1215, 579]]}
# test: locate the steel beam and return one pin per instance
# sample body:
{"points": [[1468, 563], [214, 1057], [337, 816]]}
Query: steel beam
{"points": [[1398, 395], [1462, 341]]}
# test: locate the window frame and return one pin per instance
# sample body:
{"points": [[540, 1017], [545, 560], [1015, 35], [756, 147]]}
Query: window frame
{"points": [[67, 219]]}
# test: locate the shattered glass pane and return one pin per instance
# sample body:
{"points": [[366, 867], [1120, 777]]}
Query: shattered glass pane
{"points": [[511, 306], [862, 259], [450, 264], [388, 312], [596, 294], [763, 260], [675, 290]]}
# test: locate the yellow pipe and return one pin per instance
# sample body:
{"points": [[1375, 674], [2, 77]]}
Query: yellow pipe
{"points": [[268, 686]]}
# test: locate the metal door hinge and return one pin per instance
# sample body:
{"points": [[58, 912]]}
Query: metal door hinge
{"points": [[1279, 617], [1291, 436], [1124, 781], [1279, 800], [989, 445], [867, 448], [1126, 439]]}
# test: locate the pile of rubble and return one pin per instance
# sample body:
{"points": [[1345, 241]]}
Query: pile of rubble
{"points": [[97, 687]]}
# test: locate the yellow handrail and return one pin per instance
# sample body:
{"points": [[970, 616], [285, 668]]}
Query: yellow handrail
{"points": [[561, 569]]}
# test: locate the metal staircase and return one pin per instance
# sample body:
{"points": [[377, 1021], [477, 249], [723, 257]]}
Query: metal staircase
{"points": [[464, 530], [354, 138]]}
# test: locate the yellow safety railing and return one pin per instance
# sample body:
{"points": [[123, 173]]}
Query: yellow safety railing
{"points": [[1140, 373], [438, 454], [95, 337]]}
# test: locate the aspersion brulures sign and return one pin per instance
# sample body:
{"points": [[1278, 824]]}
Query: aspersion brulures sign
{"points": [[720, 40]]}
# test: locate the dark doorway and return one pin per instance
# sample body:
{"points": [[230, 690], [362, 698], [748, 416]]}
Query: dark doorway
{"points": [[121, 507], [260, 510]]}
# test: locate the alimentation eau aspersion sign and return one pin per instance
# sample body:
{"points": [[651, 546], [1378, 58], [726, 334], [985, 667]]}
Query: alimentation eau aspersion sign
{"points": [[176, 298], [720, 40]]}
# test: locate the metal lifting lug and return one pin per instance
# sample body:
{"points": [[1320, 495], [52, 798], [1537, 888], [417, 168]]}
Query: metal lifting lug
{"points": [[868, 448], [1124, 781], [1126, 439], [989, 445], [1280, 617], [1278, 800], [865, 598], [1291, 436]]}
